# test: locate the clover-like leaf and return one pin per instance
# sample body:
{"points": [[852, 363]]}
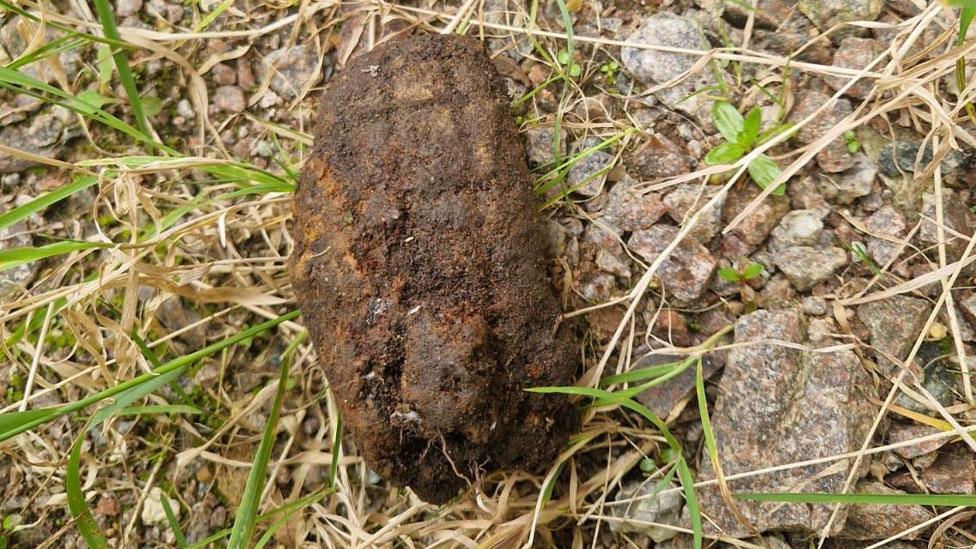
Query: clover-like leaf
{"points": [[728, 120], [726, 153], [764, 171]]}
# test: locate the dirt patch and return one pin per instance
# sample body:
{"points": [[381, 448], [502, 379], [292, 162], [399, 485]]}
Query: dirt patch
{"points": [[421, 268]]}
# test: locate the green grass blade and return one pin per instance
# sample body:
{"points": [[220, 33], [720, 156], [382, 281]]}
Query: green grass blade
{"points": [[159, 409], [684, 472], [287, 508], [640, 374], [76, 501], [26, 424], [241, 532], [13, 420], [936, 500], [125, 398], [45, 200], [174, 523], [13, 257], [121, 57], [270, 532]]}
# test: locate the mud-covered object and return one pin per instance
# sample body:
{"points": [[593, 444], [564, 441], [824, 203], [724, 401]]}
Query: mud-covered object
{"points": [[420, 266]]}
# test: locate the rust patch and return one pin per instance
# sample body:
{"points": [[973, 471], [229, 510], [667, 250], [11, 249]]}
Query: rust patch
{"points": [[420, 266]]}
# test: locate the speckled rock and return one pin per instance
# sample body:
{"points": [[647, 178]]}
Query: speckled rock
{"points": [[539, 145], [886, 222], [853, 183], [807, 266], [648, 504], [904, 432], [229, 99], [587, 175], [291, 69], [899, 157], [875, 522], [687, 270], [797, 228], [855, 53], [808, 101], [827, 13], [754, 229], [894, 324], [779, 405], [658, 158], [656, 67], [661, 399], [631, 209], [959, 222], [42, 136], [686, 199]]}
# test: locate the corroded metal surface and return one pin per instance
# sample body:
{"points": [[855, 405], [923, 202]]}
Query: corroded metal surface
{"points": [[420, 265]]}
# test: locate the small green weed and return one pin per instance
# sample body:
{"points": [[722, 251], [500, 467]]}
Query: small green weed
{"points": [[741, 136], [850, 138], [751, 271]]}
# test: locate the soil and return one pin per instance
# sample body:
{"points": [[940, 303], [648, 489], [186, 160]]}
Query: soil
{"points": [[421, 268]]}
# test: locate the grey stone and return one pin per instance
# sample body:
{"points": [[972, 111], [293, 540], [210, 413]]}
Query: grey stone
{"points": [[125, 8], [41, 137], [855, 53], [834, 157], [587, 175], [185, 109], [807, 102], [827, 13], [815, 305], [940, 379], [904, 432], [612, 263], [657, 67], [686, 199], [16, 278], [661, 399], [952, 473], [807, 266], [845, 187], [687, 270], [755, 227], [651, 503], [663, 29], [632, 210], [874, 522], [958, 222], [229, 99], [660, 157], [598, 288], [886, 222], [896, 158], [291, 69], [894, 324], [174, 316], [797, 228], [540, 146], [780, 405]]}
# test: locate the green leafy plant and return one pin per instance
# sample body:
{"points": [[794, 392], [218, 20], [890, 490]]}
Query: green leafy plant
{"points": [[566, 61], [850, 138], [741, 136], [609, 71], [750, 272]]}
